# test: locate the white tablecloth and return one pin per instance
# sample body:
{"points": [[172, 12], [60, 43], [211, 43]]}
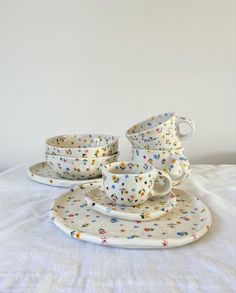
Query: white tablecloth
{"points": [[35, 256]]}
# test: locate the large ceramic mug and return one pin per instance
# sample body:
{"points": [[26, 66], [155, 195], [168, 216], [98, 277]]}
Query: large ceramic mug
{"points": [[174, 163], [160, 132], [132, 183]]}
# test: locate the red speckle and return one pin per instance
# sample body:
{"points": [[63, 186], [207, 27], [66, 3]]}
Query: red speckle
{"points": [[164, 243]]}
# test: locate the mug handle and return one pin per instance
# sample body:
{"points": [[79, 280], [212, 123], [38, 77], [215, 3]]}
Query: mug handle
{"points": [[178, 176], [185, 120], [163, 184]]}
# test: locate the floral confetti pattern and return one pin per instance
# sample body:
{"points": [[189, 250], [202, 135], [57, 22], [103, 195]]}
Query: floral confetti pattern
{"points": [[79, 168], [160, 132], [187, 222], [84, 146], [153, 208]]}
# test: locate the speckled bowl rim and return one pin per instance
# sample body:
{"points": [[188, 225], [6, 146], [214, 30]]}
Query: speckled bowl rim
{"points": [[84, 148]]}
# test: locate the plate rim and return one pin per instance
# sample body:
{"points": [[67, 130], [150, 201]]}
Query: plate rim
{"points": [[57, 182]]}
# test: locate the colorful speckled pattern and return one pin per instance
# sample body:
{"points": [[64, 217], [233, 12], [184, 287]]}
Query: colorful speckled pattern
{"points": [[185, 223], [155, 207], [79, 168]]}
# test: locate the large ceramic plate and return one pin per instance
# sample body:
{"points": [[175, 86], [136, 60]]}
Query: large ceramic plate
{"points": [[185, 223], [42, 173]]}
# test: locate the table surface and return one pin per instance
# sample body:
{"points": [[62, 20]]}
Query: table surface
{"points": [[35, 256]]}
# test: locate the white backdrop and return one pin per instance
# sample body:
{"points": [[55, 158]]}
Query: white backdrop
{"points": [[101, 66]]}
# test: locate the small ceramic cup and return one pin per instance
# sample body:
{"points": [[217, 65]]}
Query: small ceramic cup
{"points": [[160, 132], [173, 162], [132, 183]]}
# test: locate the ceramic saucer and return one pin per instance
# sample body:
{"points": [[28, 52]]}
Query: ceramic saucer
{"points": [[42, 173], [153, 208], [187, 222]]}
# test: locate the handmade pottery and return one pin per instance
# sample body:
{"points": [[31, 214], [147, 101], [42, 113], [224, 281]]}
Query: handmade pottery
{"points": [[154, 207], [132, 183], [173, 162], [160, 132], [186, 223], [85, 146], [42, 173], [79, 168]]}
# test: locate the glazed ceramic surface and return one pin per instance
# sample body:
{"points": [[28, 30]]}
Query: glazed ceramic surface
{"points": [[153, 208], [79, 168], [185, 223], [174, 163], [85, 146], [160, 132], [132, 183], [42, 173]]}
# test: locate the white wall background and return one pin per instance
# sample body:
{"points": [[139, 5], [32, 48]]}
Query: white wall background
{"points": [[101, 66]]}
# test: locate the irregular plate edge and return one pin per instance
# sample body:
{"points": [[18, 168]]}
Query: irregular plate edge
{"points": [[56, 182]]}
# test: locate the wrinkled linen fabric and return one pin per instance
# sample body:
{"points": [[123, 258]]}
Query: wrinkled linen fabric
{"points": [[35, 256]]}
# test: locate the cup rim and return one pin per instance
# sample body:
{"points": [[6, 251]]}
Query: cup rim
{"points": [[152, 168], [145, 120]]}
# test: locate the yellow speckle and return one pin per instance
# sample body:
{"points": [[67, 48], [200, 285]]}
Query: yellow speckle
{"points": [[147, 215], [77, 235]]}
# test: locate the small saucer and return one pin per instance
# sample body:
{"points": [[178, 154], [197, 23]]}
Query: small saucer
{"points": [[154, 207]]}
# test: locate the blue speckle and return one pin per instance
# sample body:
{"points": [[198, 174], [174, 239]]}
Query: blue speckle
{"points": [[114, 220], [182, 234], [113, 186]]}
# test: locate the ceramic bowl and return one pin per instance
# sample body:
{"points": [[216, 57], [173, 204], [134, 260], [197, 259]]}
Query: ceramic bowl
{"points": [[160, 132], [79, 168], [84, 146], [174, 163]]}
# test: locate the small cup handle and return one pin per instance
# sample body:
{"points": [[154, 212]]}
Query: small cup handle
{"points": [[186, 120], [163, 184]]}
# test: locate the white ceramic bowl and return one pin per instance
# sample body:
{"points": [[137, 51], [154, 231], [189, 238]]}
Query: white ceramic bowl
{"points": [[79, 168], [83, 146]]}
